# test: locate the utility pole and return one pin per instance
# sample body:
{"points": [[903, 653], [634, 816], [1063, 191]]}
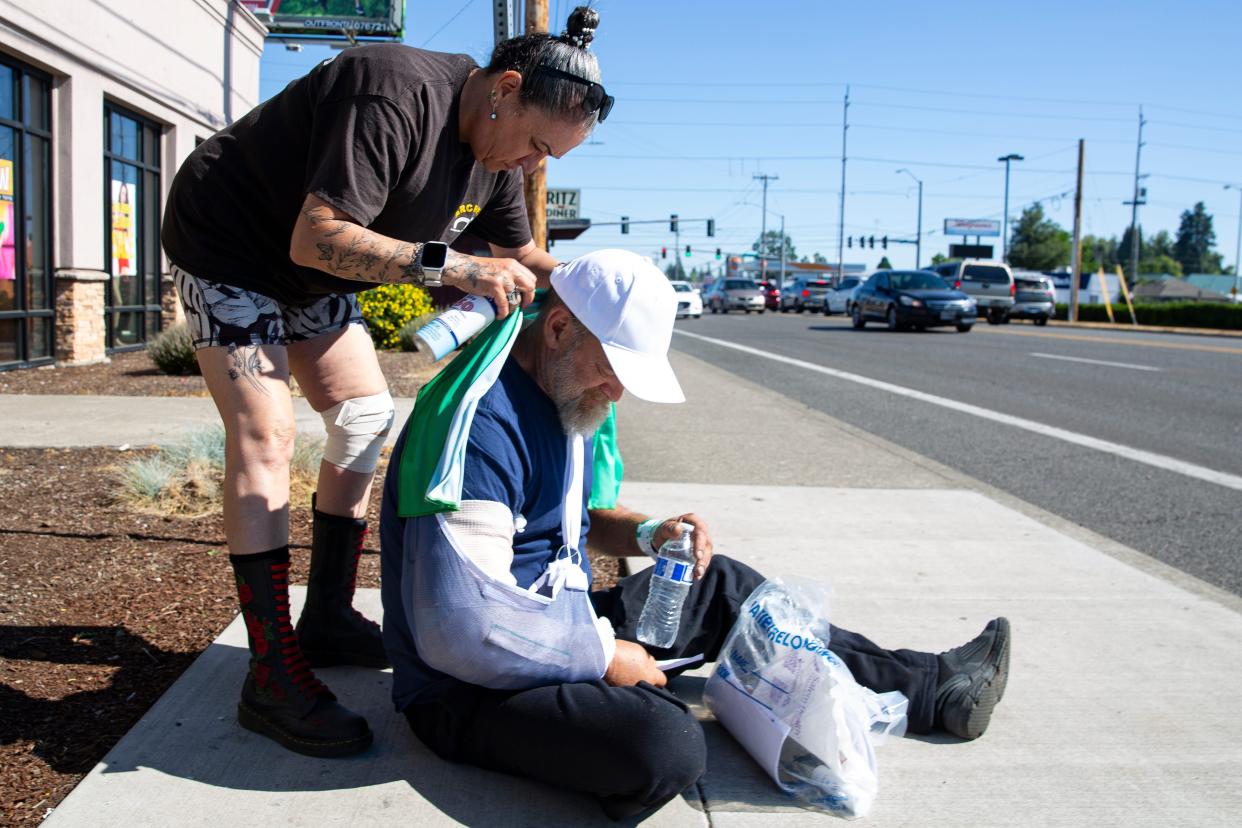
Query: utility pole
{"points": [[782, 279], [535, 185], [918, 237], [845, 126], [1076, 255], [1013, 156], [1237, 255], [763, 220], [1138, 199]]}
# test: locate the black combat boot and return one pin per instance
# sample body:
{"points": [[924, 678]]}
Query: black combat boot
{"points": [[281, 698], [330, 630], [972, 681]]}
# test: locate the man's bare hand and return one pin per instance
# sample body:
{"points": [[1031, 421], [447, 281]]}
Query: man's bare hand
{"points": [[632, 664], [702, 539], [494, 279]]}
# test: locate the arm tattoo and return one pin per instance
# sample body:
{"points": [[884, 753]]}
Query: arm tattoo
{"points": [[247, 365], [351, 251]]}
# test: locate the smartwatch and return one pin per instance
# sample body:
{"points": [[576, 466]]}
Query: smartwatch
{"points": [[432, 257]]}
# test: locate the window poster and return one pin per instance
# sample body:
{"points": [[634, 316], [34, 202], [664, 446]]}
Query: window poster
{"points": [[8, 240], [123, 263]]}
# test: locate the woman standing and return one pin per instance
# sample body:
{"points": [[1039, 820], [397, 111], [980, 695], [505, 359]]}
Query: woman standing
{"points": [[359, 173]]}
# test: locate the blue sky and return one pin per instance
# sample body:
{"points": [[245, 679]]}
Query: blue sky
{"points": [[711, 93]]}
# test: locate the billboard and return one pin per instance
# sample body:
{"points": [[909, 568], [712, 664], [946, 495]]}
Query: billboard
{"points": [[374, 19], [972, 227]]}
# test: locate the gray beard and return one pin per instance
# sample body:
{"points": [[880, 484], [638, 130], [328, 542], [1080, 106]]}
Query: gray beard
{"points": [[580, 411]]}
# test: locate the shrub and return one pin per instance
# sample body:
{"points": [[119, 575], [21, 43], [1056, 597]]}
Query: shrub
{"points": [[172, 350], [185, 478], [406, 338], [388, 307], [1219, 315]]}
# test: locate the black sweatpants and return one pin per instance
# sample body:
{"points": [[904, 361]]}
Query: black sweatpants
{"points": [[636, 747]]}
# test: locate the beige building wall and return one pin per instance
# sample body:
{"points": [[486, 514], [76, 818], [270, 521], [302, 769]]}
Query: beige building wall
{"points": [[191, 66]]}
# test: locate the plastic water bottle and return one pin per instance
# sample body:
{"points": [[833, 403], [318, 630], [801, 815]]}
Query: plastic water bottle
{"points": [[464, 318], [670, 581]]}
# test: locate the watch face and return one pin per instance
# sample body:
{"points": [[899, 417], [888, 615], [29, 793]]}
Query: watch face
{"points": [[434, 255]]}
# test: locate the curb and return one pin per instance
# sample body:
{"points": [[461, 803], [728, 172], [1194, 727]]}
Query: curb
{"points": [[1160, 329]]}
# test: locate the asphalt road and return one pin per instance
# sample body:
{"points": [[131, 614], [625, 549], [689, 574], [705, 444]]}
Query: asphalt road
{"points": [[1178, 398]]}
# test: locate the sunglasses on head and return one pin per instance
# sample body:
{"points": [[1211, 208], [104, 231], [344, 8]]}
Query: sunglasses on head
{"points": [[596, 100]]}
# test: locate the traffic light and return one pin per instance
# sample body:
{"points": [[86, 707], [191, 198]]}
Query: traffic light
{"points": [[625, 225], [711, 228], [884, 242], [717, 254], [872, 242], [687, 251], [849, 241], [672, 223], [663, 252]]}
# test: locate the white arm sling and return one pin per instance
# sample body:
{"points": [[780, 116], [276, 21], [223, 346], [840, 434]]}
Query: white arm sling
{"points": [[495, 634]]}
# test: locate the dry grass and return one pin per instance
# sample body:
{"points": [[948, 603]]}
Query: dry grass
{"points": [[185, 479]]}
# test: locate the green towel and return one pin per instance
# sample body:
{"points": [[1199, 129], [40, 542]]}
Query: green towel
{"points": [[430, 468]]}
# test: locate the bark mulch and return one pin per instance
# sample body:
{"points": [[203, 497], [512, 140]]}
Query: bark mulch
{"points": [[102, 608]]}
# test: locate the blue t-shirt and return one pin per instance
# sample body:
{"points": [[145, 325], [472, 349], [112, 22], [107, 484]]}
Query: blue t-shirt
{"points": [[515, 455]]}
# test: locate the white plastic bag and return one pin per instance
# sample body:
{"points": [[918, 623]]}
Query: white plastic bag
{"points": [[795, 707]]}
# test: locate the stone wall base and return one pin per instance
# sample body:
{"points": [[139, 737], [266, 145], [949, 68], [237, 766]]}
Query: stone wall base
{"points": [[80, 334]]}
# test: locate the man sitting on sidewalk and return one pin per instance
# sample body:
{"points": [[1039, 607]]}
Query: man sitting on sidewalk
{"points": [[608, 727]]}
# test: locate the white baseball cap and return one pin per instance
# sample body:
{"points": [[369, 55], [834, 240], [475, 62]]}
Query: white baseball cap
{"points": [[629, 305]]}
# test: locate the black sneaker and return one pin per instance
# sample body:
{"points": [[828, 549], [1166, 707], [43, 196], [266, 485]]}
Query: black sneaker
{"points": [[972, 681]]}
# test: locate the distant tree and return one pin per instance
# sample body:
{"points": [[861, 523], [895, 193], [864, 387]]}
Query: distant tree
{"points": [[819, 258], [884, 264], [1195, 240], [1098, 252], [1124, 248], [1038, 243], [1160, 264], [940, 258], [673, 270], [769, 246]]}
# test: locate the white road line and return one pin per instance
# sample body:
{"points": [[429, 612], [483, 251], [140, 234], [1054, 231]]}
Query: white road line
{"points": [[1099, 362], [1160, 461]]}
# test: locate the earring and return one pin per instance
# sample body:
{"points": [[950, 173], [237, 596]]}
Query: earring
{"points": [[493, 114], [493, 98]]}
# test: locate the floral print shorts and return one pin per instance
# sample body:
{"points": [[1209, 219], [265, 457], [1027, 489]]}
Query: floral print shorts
{"points": [[221, 314]]}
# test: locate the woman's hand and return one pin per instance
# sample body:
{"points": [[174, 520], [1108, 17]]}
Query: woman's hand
{"points": [[491, 278]]}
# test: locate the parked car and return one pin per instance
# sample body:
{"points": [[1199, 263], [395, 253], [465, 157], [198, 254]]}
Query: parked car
{"points": [[803, 292], [912, 298], [990, 283], [837, 299], [1035, 297], [771, 294], [689, 303], [734, 294]]}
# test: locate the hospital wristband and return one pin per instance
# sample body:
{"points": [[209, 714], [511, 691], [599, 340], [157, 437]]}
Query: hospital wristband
{"points": [[646, 536]]}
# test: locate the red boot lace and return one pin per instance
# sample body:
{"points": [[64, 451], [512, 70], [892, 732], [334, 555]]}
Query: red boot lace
{"points": [[353, 580], [295, 664]]}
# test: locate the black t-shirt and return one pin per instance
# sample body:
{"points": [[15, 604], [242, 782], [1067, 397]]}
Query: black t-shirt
{"points": [[372, 131]]}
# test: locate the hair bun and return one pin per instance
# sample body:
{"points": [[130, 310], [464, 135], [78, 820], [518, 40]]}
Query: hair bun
{"points": [[580, 28]]}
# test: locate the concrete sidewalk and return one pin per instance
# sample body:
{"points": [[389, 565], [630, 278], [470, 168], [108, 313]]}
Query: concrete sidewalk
{"points": [[1108, 719]]}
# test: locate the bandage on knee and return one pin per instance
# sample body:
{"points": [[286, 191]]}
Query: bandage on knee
{"points": [[356, 430]]}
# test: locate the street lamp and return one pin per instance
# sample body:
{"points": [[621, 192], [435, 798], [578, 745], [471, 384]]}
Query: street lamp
{"points": [[918, 238], [1013, 156], [1237, 255]]}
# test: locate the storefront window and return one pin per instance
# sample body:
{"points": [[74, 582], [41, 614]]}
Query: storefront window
{"points": [[25, 217], [132, 213]]}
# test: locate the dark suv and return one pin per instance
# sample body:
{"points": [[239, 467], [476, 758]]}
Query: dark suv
{"points": [[803, 292]]}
